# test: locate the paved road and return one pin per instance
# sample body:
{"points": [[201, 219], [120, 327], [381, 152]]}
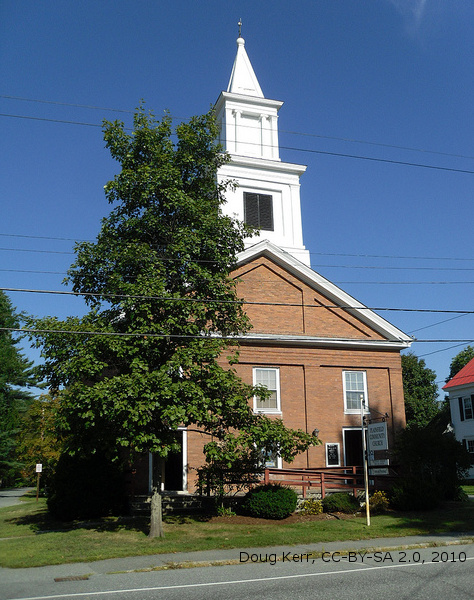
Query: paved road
{"points": [[444, 573], [12, 497]]}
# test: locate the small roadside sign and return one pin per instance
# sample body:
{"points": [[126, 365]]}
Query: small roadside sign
{"points": [[377, 442], [39, 468]]}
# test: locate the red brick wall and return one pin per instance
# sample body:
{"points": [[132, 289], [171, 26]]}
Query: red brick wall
{"points": [[311, 378]]}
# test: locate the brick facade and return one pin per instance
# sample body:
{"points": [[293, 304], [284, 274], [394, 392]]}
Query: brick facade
{"points": [[310, 374]]}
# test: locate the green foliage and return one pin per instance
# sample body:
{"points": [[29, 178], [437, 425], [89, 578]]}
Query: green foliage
{"points": [[311, 506], [378, 503], [420, 391], [270, 501], [460, 360], [86, 487], [16, 374], [236, 460], [38, 440], [149, 356], [411, 494], [341, 502], [225, 511], [432, 465]]}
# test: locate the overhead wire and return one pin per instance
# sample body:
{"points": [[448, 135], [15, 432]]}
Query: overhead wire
{"points": [[238, 301], [298, 133], [307, 150]]}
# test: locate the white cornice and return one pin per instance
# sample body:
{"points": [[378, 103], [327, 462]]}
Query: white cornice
{"points": [[264, 164], [321, 342], [252, 101]]}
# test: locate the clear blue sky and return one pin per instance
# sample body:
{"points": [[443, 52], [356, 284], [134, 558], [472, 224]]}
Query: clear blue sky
{"points": [[395, 73]]}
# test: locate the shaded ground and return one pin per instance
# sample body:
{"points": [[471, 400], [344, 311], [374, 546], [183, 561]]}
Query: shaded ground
{"points": [[294, 518]]}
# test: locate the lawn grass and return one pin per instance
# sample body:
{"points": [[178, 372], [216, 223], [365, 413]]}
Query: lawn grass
{"points": [[469, 489], [29, 537]]}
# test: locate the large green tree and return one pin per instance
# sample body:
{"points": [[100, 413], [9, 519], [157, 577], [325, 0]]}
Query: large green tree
{"points": [[16, 375], [460, 360], [150, 355], [420, 391]]}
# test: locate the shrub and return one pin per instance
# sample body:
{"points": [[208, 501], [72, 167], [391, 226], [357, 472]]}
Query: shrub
{"points": [[378, 503], [270, 501], [86, 488], [311, 506], [341, 502], [413, 494]]}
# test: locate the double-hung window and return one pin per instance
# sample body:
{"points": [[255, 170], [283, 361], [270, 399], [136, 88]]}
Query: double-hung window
{"points": [[258, 210], [466, 408], [468, 443], [269, 378], [355, 390]]}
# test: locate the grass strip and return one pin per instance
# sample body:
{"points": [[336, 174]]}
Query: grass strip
{"points": [[30, 538]]}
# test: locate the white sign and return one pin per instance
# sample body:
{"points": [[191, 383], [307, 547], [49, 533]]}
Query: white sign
{"points": [[39, 468], [377, 436]]}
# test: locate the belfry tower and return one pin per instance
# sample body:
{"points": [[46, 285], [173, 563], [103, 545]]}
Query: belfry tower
{"points": [[268, 191]]}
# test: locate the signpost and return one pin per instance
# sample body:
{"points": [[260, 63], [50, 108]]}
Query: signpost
{"points": [[364, 458], [39, 470]]}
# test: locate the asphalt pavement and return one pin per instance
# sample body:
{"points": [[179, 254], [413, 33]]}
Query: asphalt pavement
{"points": [[219, 556], [10, 497]]}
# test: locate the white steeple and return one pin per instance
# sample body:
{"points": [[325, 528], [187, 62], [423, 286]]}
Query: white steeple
{"points": [[243, 79], [268, 192]]}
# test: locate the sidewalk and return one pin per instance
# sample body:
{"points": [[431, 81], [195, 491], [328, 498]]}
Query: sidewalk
{"points": [[216, 557]]}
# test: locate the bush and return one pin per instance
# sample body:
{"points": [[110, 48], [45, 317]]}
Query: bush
{"points": [[378, 503], [341, 502], [411, 494], [86, 488], [270, 501], [311, 506]]}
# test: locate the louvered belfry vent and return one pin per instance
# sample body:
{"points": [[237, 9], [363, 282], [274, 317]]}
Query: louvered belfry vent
{"points": [[258, 210]]}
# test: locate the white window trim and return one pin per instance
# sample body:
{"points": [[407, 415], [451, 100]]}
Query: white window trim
{"points": [[468, 439], [338, 453], [355, 411], [272, 411], [279, 463], [469, 399]]}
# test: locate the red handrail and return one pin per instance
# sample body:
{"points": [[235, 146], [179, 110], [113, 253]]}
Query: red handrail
{"points": [[326, 478]]}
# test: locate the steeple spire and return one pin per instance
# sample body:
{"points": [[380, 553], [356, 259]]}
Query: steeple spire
{"points": [[243, 79]]}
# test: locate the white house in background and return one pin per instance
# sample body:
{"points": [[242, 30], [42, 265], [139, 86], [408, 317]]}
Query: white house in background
{"points": [[461, 401]]}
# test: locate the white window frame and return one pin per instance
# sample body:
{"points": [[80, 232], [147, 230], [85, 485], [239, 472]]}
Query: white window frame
{"points": [[338, 454], [467, 400], [278, 462], [271, 410], [353, 411]]}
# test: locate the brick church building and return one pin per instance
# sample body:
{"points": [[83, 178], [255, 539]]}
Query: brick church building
{"points": [[314, 346]]}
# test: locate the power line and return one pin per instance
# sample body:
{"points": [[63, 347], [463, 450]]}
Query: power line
{"points": [[148, 334], [238, 301], [325, 266], [63, 121], [40, 272], [391, 256], [315, 135], [66, 104], [310, 151], [392, 146]]}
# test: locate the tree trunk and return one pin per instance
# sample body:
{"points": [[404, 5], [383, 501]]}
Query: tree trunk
{"points": [[156, 520]]}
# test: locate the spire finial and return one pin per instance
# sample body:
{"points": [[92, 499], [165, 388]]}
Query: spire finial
{"points": [[240, 27]]}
